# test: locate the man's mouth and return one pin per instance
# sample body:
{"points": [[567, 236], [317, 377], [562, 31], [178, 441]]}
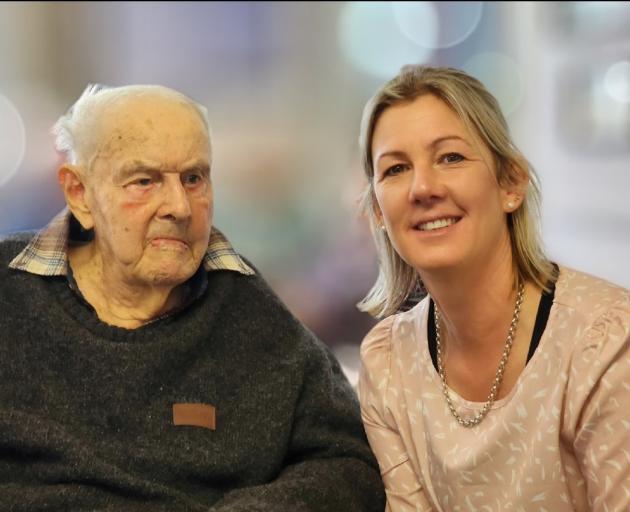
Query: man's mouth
{"points": [[168, 243]]}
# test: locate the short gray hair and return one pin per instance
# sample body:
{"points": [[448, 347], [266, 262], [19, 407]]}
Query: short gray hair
{"points": [[70, 127]]}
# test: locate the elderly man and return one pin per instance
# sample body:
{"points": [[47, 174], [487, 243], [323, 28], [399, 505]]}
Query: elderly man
{"points": [[144, 364]]}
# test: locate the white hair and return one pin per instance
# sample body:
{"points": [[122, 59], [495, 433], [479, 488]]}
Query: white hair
{"points": [[71, 129]]}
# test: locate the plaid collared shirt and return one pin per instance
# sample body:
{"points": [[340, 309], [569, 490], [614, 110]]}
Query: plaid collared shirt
{"points": [[46, 254]]}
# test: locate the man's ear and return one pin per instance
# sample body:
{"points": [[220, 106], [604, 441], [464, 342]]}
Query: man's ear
{"points": [[72, 182]]}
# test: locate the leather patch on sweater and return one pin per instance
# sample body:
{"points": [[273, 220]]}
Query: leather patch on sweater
{"points": [[194, 415]]}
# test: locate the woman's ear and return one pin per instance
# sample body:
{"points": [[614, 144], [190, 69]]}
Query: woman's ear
{"points": [[376, 212], [72, 182], [515, 188]]}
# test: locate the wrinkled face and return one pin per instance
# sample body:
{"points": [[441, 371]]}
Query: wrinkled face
{"points": [[436, 190], [149, 191]]}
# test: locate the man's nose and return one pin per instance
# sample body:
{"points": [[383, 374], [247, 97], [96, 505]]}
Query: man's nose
{"points": [[175, 200]]}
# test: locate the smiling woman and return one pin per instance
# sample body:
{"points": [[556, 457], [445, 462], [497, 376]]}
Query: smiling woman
{"points": [[423, 153], [481, 130], [502, 333]]}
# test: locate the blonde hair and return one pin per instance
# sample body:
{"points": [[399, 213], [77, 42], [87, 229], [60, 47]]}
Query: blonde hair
{"points": [[480, 112]]}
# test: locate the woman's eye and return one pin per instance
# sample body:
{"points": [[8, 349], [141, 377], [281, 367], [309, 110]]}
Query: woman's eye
{"points": [[452, 158], [394, 169]]}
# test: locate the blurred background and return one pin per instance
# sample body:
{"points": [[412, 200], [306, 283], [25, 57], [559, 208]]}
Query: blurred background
{"points": [[285, 84]]}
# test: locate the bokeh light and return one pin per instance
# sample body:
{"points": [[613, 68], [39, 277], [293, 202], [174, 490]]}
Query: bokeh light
{"points": [[501, 76], [617, 81], [12, 139], [371, 39], [418, 21], [437, 24], [593, 18]]}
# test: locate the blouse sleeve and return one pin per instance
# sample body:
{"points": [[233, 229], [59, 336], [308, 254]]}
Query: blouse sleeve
{"points": [[599, 406], [403, 489]]}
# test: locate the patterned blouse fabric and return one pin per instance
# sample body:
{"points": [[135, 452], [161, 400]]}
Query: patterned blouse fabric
{"points": [[559, 441]]}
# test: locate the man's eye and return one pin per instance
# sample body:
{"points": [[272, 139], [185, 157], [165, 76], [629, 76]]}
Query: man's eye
{"points": [[192, 179], [142, 182]]}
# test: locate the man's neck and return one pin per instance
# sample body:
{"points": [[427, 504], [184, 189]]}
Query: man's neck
{"points": [[116, 301]]}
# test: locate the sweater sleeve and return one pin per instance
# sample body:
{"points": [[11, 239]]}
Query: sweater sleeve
{"points": [[597, 406], [329, 465], [404, 490]]}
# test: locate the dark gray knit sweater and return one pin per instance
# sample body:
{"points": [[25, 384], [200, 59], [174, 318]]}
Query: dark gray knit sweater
{"points": [[86, 419]]}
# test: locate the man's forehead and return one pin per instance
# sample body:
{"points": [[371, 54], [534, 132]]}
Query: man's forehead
{"points": [[140, 118], [152, 129], [144, 110]]}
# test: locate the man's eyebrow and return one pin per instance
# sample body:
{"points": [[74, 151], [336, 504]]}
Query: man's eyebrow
{"points": [[199, 165], [128, 169], [137, 166]]}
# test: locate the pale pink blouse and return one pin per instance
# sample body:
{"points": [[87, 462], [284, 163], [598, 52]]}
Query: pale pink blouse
{"points": [[560, 441]]}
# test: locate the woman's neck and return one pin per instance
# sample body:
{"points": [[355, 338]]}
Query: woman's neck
{"points": [[476, 310]]}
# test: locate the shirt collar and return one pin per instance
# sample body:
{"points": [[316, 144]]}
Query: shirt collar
{"points": [[46, 254]]}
